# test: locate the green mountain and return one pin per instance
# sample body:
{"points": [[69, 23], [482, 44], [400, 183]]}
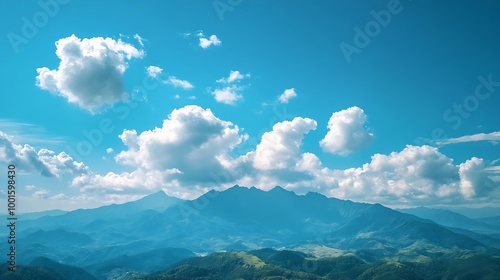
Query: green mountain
{"points": [[284, 264], [67, 271], [29, 272]]}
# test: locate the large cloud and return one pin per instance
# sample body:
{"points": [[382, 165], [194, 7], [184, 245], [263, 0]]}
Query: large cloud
{"points": [[90, 72], [279, 148], [415, 176], [347, 133], [474, 180], [44, 161], [189, 147]]}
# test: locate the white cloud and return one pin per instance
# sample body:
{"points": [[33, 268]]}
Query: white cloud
{"points": [[191, 138], [183, 154], [113, 182], [287, 95], [347, 133], [139, 39], [29, 133], [153, 71], [493, 137], [228, 95], [416, 175], [279, 148], [43, 161], [234, 76], [178, 83], [40, 193], [90, 73], [212, 40], [109, 150], [474, 180]]}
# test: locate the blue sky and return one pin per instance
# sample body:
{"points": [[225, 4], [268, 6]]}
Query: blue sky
{"points": [[389, 101]]}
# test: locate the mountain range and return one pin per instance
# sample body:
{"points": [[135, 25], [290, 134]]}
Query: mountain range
{"points": [[159, 231]]}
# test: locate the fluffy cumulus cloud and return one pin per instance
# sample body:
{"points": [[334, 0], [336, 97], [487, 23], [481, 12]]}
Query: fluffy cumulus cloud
{"points": [[187, 150], [90, 72], [474, 180], [415, 176], [44, 161], [153, 71], [228, 95], [279, 148], [210, 41], [191, 140], [346, 132], [287, 95]]}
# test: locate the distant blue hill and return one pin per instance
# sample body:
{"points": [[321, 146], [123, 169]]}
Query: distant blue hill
{"points": [[451, 219]]}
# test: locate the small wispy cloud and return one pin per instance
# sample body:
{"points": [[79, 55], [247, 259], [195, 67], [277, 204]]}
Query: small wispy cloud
{"points": [[29, 133], [491, 137], [139, 39], [172, 80]]}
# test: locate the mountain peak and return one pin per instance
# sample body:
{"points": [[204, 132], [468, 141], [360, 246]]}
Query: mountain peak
{"points": [[156, 200], [279, 189]]}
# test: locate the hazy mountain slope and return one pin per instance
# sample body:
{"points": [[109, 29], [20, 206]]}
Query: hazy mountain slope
{"points": [[76, 219], [451, 219], [493, 221]]}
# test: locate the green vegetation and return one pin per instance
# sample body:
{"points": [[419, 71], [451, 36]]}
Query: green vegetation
{"points": [[29, 272], [67, 271], [273, 265], [270, 264]]}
